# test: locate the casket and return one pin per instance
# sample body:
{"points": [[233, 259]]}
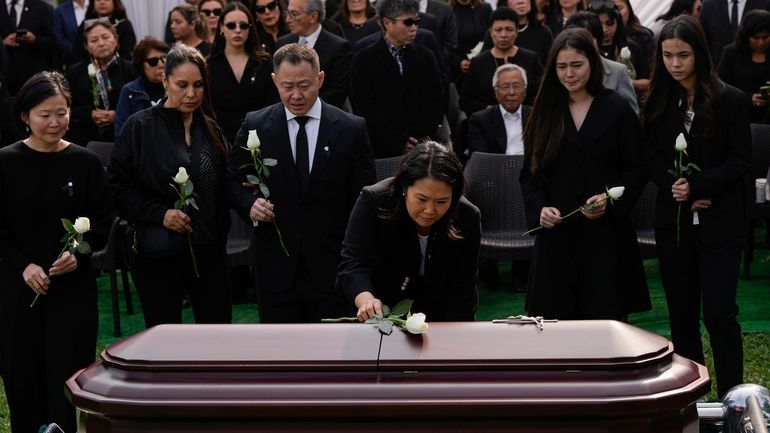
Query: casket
{"points": [[571, 376]]}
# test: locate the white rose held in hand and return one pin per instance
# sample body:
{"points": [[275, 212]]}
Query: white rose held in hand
{"points": [[625, 54], [415, 324], [616, 192], [181, 176], [91, 70], [681, 143], [253, 142], [82, 225]]}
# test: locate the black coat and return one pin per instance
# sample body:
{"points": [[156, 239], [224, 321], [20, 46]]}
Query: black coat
{"points": [[715, 20], [739, 70], [397, 106], [28, 59], [585, 269], [486, 130], [378, 255]]}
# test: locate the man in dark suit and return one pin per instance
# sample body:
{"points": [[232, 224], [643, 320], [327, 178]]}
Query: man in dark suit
{"points": [[500, 128], [324, 159], [396, 84], [446, 26], [66, 20], [304, 18], [26, 27], [719, 24]]}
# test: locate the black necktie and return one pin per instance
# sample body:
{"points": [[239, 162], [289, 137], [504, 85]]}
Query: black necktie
{"points": [[301, 159], [734, 18], [12, 14]]}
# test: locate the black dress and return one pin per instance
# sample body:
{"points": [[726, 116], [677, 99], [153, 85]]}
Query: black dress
{"points": [[737, 69], [43, 346], [354, 32], [472, 24]]}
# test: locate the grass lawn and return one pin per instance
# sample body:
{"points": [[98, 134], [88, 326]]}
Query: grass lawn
{"points": [[753, 298]]}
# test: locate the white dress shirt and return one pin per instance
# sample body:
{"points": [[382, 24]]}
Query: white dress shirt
{"points": [[423, 6], [513, 131], [311, 129], [80, 12], [311, 39], [741, 7], [19, 8]]}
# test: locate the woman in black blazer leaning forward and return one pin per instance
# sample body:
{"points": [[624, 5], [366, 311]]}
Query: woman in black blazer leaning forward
{"points": [[414, 236], [700, 253]]}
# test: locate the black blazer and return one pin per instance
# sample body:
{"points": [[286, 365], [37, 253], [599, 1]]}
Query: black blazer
{"points": [[486, 130], [724, 158], [312, 222], [26, 60], [715, 20], [397, 106], [446, 27], [334, 55], [378, 255]]}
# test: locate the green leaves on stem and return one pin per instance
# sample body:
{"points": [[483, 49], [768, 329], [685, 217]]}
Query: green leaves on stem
{"points": [[400, 315], [184, 189]]}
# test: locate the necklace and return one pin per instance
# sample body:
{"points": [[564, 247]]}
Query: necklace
{"points": [[524, 27]]}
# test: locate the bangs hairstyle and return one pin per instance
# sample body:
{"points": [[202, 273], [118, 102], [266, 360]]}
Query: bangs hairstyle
{"points": [[118, 11], [665, 92], [428, 159], [545, 126], [756, 21], [252, 46], [37, 89], [179, 55]]}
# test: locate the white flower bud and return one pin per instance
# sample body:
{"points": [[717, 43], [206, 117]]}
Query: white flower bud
{"points": [[181, 176], [681, 143], [616, 192], [82, 225], [253, 142], [415, 324], [625, 54], [91, 70]]}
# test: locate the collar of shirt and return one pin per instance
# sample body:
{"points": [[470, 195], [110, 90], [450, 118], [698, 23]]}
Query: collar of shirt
{"points": [[423, 6], [314, 112], [313, 37], [311, 129], [19, 8], [741, 7], [80, 12], [515, 115], [392, 48]]}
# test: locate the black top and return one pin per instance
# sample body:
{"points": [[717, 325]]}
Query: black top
{"points": [[535, 37], [266, 39], [472, 24], [641, 64], [233, 99], [379, 254], [204, 48], [644, 38], [742, 72], [354, 32]]}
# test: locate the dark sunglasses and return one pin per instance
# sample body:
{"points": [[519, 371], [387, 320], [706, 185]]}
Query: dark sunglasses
{"points": [[270, 6], [596, 5], [208, 12], [409, 22], [153, 61], [243, 26]]}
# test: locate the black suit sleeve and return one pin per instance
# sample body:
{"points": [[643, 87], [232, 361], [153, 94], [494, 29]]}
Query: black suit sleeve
{"points": [[470, 101], [477, 141], [362, 170], [336, 84], [357, 256], [534, 197], [461, 295], [239, 196], [632, 174]]}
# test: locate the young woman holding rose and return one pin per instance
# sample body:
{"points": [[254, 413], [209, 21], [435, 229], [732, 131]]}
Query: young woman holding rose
{"points": [[699, 266], [154, 144], [43, 179], [580, 140]]}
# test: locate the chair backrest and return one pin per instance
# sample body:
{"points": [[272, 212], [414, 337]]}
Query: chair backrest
{"points": [[386, 167], [643, 213], [102, 149], [760, 143], [493, 186]]}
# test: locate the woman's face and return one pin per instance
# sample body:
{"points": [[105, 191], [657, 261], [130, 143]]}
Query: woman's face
{"points": [[267, 12], [696, 9], [609, 27], [568, 4], [427, 201], [104, 8], [356, 5], [236, 36], [154, 73], [679, 59], [521, 7], [101, 43], [48, 120], [211, 11], [180, 28], [759, 42], [573, 69], [623, 10], [503, 34], [185, 88]]}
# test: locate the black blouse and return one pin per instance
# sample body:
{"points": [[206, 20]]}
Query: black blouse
{"points": [[739, 70]]}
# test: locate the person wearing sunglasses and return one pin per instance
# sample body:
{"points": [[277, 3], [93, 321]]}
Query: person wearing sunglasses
{"points": [[239, 69], [268, 15], [147, 89], [115, 12], [211, 10]]}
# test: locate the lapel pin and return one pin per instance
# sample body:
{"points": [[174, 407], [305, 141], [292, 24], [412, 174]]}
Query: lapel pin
{"points": [[326, 148]]}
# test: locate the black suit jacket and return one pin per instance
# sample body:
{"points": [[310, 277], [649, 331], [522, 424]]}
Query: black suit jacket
{"points": [[486, 130], [397, 106], [334, 55], [378, 255], [312, 222], [28, 59], [446, 26], [715, 20]]}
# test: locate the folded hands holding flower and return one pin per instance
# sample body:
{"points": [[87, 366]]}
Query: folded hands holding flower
{"points": [[593, 208]]}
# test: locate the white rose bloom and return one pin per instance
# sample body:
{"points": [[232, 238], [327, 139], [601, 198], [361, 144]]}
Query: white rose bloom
{"points": [[416, 323], [82, 225], [91, 70], [681, 142], [616, 192], [625, 54], [181, 176], [253, 141]]}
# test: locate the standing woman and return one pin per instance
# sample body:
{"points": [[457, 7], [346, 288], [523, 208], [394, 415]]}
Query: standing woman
{"points": [[581, 139], [356, 18], [559, 12], [414, 236], [533, 35], [44, 178], [113, 12], [211, 10], [472, 17], [95, 97], [188, 28], [270, 23], [745, 63], [635, 30], [239, 69], [154, 144], [686, 97]]}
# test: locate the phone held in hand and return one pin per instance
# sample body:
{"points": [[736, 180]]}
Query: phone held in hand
{"points": [[21, 32]]}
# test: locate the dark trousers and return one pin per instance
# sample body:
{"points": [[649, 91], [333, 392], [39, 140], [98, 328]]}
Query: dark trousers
{"points": [[702, 272], [41, 347], [163, 282], [303, 303]]}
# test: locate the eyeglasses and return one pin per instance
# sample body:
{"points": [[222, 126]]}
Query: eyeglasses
{"points": [[293, 14], [209, 12], [242, 26], [268, 7], [409, 22], [507, 87], [153, 61], [597, 5]]}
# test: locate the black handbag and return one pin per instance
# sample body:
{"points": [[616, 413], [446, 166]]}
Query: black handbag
{"points": [[151, 240]]}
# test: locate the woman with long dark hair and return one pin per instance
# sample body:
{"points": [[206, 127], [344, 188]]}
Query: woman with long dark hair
{"points": [[270, 23], [678, 7], [356, 18], [166, 240], [559, 11], [414, 236], [700, 217], [580, 140], [635, 30], [188, 27], [239, 69]]}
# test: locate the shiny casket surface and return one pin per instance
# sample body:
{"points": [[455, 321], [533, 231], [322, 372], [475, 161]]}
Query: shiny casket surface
{"points": [[572, 376]]}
